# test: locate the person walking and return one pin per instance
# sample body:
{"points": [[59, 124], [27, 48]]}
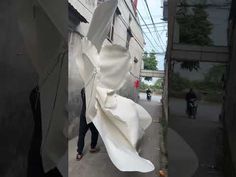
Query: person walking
{"points": [[83, 130]]}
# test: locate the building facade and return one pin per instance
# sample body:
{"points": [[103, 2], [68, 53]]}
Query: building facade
{"points": [[124, 30], [222, 24]]}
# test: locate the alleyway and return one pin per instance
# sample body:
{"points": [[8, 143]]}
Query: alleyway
{"points": [[99, 164], [202, 135]]}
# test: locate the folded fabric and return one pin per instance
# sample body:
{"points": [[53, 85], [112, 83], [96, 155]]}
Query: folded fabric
{"points": [[120, 121]]}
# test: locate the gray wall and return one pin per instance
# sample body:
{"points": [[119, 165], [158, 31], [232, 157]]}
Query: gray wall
{"points": [[229, 112], [17, 78]]}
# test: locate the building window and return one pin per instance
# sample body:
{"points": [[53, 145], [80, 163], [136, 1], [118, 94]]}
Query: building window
{"points": [[135, 60], [129, 35], [110, 34]]}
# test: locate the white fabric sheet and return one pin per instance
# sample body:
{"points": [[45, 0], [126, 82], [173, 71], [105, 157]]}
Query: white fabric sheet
{"points": [[104, 70], [120, 121]]}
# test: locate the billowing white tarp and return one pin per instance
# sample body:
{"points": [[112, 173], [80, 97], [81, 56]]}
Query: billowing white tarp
{"points": [[120, 121]]}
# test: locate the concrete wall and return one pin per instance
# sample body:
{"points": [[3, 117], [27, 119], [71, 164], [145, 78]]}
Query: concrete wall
{"points": [[17, 78], [136, 44], [229, 113]]}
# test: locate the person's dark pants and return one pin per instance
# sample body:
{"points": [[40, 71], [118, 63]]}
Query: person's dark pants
{"points": [[82, 132]]}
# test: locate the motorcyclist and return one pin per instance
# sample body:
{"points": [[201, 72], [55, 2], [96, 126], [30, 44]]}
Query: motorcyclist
{"points": [[148, 92], [190, 97]]}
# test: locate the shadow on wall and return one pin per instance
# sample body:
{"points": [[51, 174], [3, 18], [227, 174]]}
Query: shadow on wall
{"points": [[17, 78]]}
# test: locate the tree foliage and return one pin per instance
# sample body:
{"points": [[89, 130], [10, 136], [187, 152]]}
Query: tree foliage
{"points": [[211, 86], [215, 74], [143, 86], [159, 83], [179, 83], [194, 28], [190, 65], [150, 62]]}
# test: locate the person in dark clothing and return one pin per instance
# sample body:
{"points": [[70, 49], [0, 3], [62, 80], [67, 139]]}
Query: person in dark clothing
{"points": [[83, 130], [189, 97], [148, 92]]}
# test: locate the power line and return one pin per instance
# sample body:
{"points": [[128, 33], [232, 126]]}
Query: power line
{"points": [[151, 26], [142, 32], [157, 23], [158, 36], [160, 53], [150, 42], [144, 27], [148, 30], [160, 31]]}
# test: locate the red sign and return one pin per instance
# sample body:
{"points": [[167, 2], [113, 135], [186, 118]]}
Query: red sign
{"points": [[136, 84]]}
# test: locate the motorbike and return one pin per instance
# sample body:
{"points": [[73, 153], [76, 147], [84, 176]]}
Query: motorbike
{"points": [[192, 109], [149, 96]]}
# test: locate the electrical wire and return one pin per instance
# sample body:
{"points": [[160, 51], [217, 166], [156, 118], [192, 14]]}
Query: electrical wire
{"points": [[149, 41], [158, 36], [148, 30]]}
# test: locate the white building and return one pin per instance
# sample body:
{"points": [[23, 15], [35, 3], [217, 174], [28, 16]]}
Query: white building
{"points": [[125, 31]]}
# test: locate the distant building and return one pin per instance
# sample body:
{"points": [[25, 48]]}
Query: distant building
{"points": [[165, 10], [125, 31]]}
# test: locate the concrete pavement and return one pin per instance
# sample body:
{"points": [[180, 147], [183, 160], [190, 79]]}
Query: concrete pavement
{"points": [[99, 164], [182, 159], [201, 134]]}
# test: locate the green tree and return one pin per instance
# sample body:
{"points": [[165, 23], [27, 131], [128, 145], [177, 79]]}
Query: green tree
{"points": [[150, 62], [215, 74], [179, 83], [143, 86], [159, 83], [194, 28]]}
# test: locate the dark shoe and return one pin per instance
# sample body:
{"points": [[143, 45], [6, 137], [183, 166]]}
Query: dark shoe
{"points": [[94, 150], [79, 156]]}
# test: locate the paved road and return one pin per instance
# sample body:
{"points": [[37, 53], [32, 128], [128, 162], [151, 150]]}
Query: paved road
{"points": [[203, 134], [155, 98], [99, 164], [182, 159]]}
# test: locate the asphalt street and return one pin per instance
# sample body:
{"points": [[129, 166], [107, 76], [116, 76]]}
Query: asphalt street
{"points": [[99, 164], [202, 134]]}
